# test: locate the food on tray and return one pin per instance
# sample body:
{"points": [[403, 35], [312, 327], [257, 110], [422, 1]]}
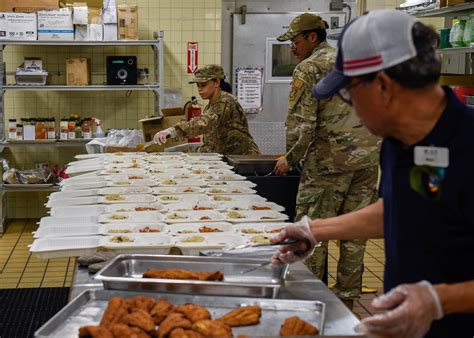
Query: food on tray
{"points": [[193, 239], [244, 316], [251, 231], [186, 232], [188, 190], [234, 215], [172, 322], [160, 310], [157, 171], [295, 326], [216, 191], [267, 217], [219, 183], [205, 218], [236, 191], [121, 239], [92, 331], [141, 319], [222, 199], [145, 209], [205, 229], [135, 177], [200, 207], [123, 210], [148, 229], [212, 328], [260, 239], [113, 171], [169, 198], [184, 274], [176, 216], [260, 207], [115, 197], [119, 231], [118, 217], [200, 172], [116, 309], [121, 183], [193, 312], [122, 330], [182, 333], [277, 231], [237, 209], [169, 182]]}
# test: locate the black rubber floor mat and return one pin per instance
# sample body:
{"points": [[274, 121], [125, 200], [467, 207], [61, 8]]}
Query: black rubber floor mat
{"points": [[23, 311]]}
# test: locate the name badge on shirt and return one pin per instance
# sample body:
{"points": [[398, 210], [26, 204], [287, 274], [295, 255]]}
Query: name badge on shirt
{"points": [[432, 156]]}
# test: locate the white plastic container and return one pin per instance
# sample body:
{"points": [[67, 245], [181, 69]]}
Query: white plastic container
{"points": [[193, 216], [136, 217], [210, 242], [82, 210], [48, 248], [199, 228]]}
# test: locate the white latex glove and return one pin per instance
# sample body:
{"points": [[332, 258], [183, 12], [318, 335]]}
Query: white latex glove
{"points": [[411, 308], [162, 136], [294, 252]]}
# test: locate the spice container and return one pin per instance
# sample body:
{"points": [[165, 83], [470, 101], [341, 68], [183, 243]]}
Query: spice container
{"points": [[12, 129], [19, 131], [29, 130], [71, 129], [51, 128], [63, 129], [87, 128], [40, 129]]}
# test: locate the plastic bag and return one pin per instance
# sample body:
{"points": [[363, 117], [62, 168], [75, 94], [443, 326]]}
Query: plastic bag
{"points": [[117, 140], [456, 36]]}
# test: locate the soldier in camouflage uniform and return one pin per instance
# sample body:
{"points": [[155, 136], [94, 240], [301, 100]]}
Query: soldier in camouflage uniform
{"points": [[339, 157], [223, 123]]}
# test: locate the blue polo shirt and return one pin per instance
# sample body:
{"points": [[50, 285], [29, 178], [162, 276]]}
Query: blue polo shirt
{"points": [[429, 212]]}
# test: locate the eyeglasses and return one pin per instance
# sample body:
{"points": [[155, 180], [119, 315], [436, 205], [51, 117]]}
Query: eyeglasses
{"points": [[345, 94], [295, 43]]}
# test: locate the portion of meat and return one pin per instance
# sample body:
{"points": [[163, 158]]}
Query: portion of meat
{"points": [[94, 332], [173, 321], [124, 331], [184, 274], [116, 309], [193, 312], [141, 319], [244, 316], [295, 326], [212, 328], [142, 303], [181, 333], [161, 309]]}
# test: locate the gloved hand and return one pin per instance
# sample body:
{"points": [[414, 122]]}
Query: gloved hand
{"points": [[294, 252], [281, 167], [411, 308], [162, 136]]}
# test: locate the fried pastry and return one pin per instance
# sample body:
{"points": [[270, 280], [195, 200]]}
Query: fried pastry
{"points": [[171, 322], [143, 303], [193, 312], [94, 332], [124, 331], [116, 309], [212, 328], [183, 274], [244, 316], [141, 319], [161, 309], [295, 326], [181, 333]]}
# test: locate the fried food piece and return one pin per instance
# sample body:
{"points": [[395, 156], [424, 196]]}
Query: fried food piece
{"points": [[206, 229], [124, 331], [116, 309], [173, 321], [212, 328], [193, 312], [244, 316], [142, 302], [181, 333], [141, 319], [94, 332], [295, 326], [161, 309], [183, 274]]}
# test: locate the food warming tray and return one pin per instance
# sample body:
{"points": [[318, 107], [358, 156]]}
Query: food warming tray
{"points": [[89, 306], [125, 273]]}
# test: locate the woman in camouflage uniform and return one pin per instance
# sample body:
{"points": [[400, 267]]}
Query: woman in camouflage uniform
{"points": [[223, 123]]}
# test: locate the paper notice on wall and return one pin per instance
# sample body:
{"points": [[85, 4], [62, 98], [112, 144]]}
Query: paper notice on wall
{"points": [[249, 83]]}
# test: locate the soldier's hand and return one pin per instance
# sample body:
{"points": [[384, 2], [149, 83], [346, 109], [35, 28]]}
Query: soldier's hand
{"points": [[292, 253], [281, 167], [410, 310], [162, 136]]}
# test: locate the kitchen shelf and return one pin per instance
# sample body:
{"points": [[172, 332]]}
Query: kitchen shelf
{"points": [[152, 86], [445, 11], [79, 43], [29, 188], [457, 50], [45, 143]]}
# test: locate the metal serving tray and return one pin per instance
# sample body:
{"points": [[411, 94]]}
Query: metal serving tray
{"points": [[89, 306], [125, 273]]}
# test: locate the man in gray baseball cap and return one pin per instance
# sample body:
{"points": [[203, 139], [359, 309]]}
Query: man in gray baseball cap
{"points": [[388, 68]]}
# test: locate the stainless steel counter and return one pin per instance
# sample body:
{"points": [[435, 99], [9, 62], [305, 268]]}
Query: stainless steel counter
{"points": [[300, 284]]}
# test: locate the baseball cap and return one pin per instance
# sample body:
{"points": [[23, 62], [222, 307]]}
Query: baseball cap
{"points": [[302, 23], [206, 73], [370, 43]]}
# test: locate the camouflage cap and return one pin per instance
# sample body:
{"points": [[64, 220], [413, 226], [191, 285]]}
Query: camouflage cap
{"points": [[302, 23], [206, 73]]}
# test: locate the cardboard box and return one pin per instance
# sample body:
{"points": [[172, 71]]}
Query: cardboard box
{"points": [[95, 15], [78, 72], [110, 32], [152, 125], [81, 32], [55, 25], [27, 6], [18, 26], [456, 2], [127, 22], [96, 32]]}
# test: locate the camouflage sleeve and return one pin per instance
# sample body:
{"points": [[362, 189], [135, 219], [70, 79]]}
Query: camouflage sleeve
{"points": [[305, 117], [202, 124]]}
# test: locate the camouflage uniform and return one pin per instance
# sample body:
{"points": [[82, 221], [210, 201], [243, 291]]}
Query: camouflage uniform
{"points": [[339, 160], [223, 123]]}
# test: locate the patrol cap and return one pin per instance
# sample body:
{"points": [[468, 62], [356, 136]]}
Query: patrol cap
{"points": [[373, 42], [209, 72], [302, 23]]}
